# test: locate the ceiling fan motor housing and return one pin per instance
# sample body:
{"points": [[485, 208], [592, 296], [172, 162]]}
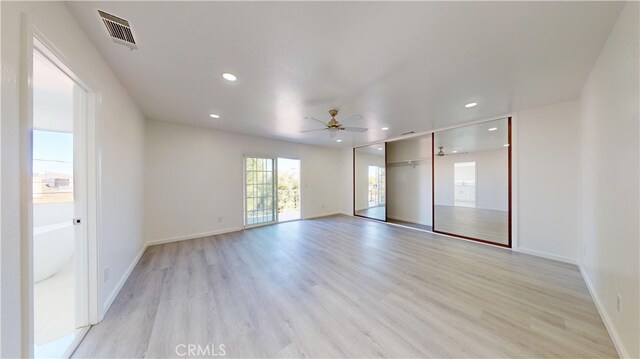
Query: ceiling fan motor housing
{"points": [[333, 123]]}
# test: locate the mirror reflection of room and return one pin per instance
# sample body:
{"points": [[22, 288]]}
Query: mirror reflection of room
{"points": [[472, 181], [370, 182], [409, 182]]}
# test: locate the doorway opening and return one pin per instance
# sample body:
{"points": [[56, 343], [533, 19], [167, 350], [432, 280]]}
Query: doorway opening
{"points": [[464, 178], [59, 207], [288, 189]]}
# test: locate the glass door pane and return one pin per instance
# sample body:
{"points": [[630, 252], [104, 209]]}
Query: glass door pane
{"points": [[260, 204], [288, 189]]}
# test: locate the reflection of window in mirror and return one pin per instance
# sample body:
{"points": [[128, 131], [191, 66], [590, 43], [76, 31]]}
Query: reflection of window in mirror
{"points": [[376, 186], [464, 182], [370, 182]]}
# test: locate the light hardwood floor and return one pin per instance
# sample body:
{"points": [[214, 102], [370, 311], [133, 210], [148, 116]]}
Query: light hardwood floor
{"points": [[377, 212], [410, 224], [476, 223], [347, 287]]}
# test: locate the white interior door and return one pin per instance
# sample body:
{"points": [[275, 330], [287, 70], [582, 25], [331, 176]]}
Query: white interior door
{"points": [[59, 207]]}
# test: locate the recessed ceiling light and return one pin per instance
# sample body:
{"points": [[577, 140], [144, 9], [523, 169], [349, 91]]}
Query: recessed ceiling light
{"points": [[380, 148], [472, 104], [213, 115], [454, 151], [338, 140], [493, 128], [384, 128], [506, 145], [229, 77]]}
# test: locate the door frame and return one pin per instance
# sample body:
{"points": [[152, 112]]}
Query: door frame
{"points": [[509, 188], [33, 39]]}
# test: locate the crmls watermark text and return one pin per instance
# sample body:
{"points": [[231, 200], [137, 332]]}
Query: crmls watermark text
{"points": [[199, 350]]}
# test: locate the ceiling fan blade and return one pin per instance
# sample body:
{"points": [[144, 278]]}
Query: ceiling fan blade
{"points": [[355, 129], [351, 118], [317, 129], [315, 119]]}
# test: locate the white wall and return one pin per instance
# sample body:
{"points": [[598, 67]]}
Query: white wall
{"points": [[610, 180], [409, 187], [548, 180], [363, 161], [121, 140], [492, 178], [346, 181], [195, 175]]}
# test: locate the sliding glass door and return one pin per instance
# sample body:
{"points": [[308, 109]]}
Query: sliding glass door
{"points": [[260, 190], [288, 189]]}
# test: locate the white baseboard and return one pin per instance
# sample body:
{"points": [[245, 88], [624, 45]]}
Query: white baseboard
{"points": [[154, 242], [410, 220], [321, 215], [603, 314], [121, 282], [547, 255]]}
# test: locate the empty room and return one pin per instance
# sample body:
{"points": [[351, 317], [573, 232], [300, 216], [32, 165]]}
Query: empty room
{"points": [[204, 179]]}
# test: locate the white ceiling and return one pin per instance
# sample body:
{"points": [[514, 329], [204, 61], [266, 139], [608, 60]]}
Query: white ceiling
{"points": [[408, 66], [474, 138], [375, 149]]}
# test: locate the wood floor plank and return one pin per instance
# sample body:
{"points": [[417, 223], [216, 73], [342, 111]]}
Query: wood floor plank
{"points": [[341, 286]]}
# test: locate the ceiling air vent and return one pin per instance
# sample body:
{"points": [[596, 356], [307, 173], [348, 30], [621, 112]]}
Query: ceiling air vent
{"points": [[119, 30]]}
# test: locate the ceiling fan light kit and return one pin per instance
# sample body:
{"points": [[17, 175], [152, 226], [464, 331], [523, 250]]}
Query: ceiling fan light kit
{"points": [[334, 126], [441, 152]]}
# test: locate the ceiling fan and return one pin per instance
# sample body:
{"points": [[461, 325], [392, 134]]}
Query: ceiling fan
{"points": [[333, 126], [441, 152]]}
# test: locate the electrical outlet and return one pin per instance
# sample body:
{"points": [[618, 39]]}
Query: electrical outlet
{"points": [[105, 274], [219, 219], [619, 302]]}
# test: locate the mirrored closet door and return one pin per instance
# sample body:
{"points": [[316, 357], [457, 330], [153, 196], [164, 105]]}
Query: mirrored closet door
{"points": [[370, 182], [471, 172], [409, 182]]}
